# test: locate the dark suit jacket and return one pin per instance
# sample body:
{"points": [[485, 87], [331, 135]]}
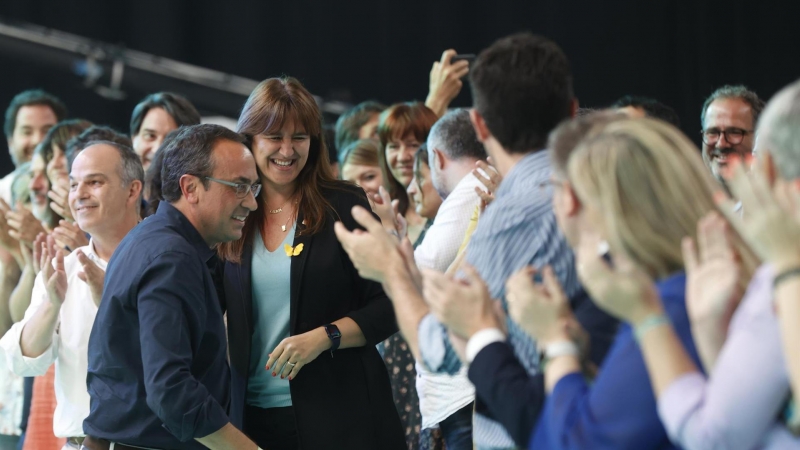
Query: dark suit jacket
{"points": [[342, 401], [515, 398]]}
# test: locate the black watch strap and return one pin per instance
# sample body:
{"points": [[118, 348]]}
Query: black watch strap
{"points": [[334, 335]]}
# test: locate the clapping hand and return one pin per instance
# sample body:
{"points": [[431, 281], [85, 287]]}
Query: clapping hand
{"points": [[464, 306], [771, 220], [541, 309], [713, 271], [92, 275], [372, 251], [24, 225], [52, 264], [69, 236], [491, 181], [387, 210], [59, 194]]}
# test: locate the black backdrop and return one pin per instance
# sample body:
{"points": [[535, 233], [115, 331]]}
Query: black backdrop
{"points": [[353, 50]]}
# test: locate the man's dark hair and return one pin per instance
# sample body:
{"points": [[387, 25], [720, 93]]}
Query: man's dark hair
{"points": [[454, 135], [349, 123], [191, 152], [93, 133], [652, 108], [178, 107], [152, 176], [522, 86], [739, 91], [32, 97]]}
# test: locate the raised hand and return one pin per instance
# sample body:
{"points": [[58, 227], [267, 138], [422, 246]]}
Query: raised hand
{"points": [[387, 211], [53, 272], [491, 180], [771, 220], [6, 240], [24, 225], [68, 235], [713, 271], [92, 275], [623, 291], [59, 194], [36, 252], [372, 251], [445, 82]]}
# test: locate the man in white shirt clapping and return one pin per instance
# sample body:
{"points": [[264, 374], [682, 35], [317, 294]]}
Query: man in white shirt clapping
{"points": [[106, 181]]}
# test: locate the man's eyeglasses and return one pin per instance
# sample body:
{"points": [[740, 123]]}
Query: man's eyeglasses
{"points": [[240, 188], [733, 136]]}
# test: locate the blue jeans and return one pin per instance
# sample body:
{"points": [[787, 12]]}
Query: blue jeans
{"points": [[457, 429]]}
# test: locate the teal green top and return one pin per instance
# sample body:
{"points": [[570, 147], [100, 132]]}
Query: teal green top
{"points": [[271, 305]]}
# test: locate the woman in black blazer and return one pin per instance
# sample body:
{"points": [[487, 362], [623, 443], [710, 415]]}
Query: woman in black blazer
{"points": [[302, 324]]}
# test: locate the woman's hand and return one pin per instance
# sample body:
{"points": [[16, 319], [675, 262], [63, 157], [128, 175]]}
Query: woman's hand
{"points": [[624, 291], [387, 210], [294, 352], [59, 194], [713, 288]]}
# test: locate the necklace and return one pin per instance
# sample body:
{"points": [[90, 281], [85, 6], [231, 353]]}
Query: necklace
{"points": [[283, 227], [280, 210]]}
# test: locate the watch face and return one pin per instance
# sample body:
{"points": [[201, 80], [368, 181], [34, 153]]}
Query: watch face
{"points": [[333, 332]]}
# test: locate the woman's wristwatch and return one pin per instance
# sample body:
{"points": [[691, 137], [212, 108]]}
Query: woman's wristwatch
{"points": [[334, 335]]}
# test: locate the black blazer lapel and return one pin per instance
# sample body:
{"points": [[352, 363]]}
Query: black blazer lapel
{"points": [[246, 285], [297, 268]]}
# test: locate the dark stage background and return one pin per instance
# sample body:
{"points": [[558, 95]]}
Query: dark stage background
{"points": [[354, 50]]}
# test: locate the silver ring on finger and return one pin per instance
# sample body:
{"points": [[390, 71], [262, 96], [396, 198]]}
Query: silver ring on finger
{"points": [[291, 364]]}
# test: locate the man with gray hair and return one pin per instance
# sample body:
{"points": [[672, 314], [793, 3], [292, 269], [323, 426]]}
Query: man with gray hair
{"points": [[453, 149], [105, 189], [729, 119]]}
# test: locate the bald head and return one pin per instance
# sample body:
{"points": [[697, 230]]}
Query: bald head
{"points": [[779, 131]]}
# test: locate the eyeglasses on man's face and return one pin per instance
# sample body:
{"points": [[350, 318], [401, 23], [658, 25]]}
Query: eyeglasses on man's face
{"points": [[733, 136], [241, 188]]}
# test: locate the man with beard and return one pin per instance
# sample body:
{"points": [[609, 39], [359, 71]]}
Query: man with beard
{"points": [[729, 120]]}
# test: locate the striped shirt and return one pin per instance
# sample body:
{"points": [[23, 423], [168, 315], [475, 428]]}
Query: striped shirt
{"points": [[519, 228]]}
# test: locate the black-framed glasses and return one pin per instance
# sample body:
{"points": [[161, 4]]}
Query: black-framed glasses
{"points": [[733, 136], [241, 188]]}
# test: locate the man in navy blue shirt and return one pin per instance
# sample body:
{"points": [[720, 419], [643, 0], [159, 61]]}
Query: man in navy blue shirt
{"points": [[158, 374]]}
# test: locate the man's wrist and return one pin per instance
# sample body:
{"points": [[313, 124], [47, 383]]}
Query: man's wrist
{"points": [[482, 339], [484, 322]]}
